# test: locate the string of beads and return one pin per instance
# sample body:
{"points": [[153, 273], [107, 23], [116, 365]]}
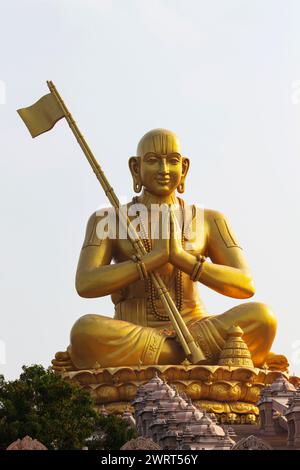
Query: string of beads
{"points": [[152, 294]]}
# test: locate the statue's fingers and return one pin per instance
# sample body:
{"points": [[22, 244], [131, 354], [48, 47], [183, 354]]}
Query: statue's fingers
{"points": [[175, 226], [173, 234]]}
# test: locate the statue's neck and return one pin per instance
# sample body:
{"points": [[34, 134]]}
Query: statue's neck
{"points": [[147, 199]]}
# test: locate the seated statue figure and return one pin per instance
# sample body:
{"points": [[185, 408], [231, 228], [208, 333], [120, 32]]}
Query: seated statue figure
{"points": [[140, 332]]}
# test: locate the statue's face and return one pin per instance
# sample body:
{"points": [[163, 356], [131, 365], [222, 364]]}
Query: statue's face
{"points": [[159, 166], [161, 173]]}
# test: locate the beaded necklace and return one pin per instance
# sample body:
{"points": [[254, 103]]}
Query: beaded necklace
{"points": [[149, 287]]}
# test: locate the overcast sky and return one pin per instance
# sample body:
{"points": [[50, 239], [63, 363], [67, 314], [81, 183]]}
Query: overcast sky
{"points": [[223, 74]]}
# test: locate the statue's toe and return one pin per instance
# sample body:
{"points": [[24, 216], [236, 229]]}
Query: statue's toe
{"points": [[62, 356], [62, 362]]}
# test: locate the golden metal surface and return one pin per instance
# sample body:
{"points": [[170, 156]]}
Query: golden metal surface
{"points": [[134, 336], [42, 115]]}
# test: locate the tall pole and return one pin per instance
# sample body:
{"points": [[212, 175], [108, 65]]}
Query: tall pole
{"points": [[190, 347]]}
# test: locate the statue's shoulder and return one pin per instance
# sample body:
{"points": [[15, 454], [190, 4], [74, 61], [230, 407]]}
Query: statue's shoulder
{"points": [[108, 211], [208, 216], [99, 226], [219, 228], [211, 215], [102, 214]]}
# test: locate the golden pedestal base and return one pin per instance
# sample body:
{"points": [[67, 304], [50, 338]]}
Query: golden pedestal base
{"points": [[231, 392]]}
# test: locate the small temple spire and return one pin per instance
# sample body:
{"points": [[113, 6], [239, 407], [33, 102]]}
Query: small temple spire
{"points": [[235, 352]]}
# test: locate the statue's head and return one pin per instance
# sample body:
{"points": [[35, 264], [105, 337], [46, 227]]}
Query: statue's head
{"points": [[159, 166]]}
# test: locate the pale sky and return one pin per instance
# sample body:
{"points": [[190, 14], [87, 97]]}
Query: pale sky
{"points": [[223, 74]]}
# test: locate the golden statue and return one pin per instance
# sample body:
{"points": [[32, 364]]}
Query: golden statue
{"points": [[140, 332], [160, 324]]}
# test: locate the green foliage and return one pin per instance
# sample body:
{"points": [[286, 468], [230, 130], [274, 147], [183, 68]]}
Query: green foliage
{"points": [[45, 407], [112, 432]]}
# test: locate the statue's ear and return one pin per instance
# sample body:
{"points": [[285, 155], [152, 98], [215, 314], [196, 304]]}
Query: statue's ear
{"points": [[185, 166], [135, 167], [185, 169]]}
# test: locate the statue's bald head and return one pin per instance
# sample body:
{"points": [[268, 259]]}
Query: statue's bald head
{"points": [[161, 141], [159, 153]]}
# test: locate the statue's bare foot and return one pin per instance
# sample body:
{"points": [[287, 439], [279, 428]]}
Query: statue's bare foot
{"points": [[277, 362], [62, 362]]}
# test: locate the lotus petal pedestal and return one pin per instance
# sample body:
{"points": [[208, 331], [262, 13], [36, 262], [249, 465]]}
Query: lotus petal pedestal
{"points": [[231, 392]]}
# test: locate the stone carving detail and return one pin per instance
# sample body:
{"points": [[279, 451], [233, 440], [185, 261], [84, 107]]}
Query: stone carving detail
{"points": [[141, 443], [27, 443], [173, 422], [251, 443]]}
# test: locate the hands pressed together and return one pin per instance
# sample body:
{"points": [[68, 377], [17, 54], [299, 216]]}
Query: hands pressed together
{"points": [[168, 243]]}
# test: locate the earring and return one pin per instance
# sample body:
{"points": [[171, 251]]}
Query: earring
{"points": [[137, 186], [181, 187]]}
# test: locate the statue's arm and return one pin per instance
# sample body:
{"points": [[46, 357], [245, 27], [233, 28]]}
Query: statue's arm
{"points": [[96, 276], [228, 272]]}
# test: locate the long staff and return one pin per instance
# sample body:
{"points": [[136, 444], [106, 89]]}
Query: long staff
{"points": [[190, 347]]}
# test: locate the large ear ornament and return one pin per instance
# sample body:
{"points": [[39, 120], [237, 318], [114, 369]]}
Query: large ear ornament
{"points": [[134, 165]]}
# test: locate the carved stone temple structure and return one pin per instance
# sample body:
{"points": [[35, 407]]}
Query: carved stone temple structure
{"points": [[279, 411], [27, 443], [170, 420], [174, 422]]}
